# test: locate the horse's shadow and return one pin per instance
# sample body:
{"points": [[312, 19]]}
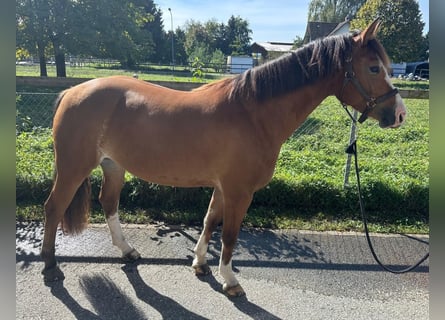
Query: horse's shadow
{"points": [[59, 291], [110, 302], [167, 307], [241, 303]]}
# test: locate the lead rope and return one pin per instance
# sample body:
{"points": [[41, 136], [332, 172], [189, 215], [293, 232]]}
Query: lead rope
{"points": [[352, 149]]}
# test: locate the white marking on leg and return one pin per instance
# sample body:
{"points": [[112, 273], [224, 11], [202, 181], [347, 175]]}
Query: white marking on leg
{"points": [[117, 237], [226, 272], [200, 251]]}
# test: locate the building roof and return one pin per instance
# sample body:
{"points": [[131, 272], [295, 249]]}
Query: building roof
{"points": [[315, 29], [275, 46]]}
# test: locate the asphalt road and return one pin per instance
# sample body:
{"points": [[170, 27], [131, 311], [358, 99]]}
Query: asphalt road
{"points": [[286, 275]]}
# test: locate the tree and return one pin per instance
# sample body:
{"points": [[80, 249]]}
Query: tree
{"points": [[425, 48], [155, 27], [238, 36], [195, 37], [57, 31], [207, 41], [180, 53], [32, 24], [298, 42], [401, 29], [333, 10], [114, 29], [100, 28]]}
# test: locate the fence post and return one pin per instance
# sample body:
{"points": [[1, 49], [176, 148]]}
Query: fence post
{"points": [[349, 157]]}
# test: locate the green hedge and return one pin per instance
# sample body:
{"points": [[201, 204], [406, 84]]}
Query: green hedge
{"points": [[308, 180]]}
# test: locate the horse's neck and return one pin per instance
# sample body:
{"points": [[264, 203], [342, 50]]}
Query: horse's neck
{"points": [[283, 115]]}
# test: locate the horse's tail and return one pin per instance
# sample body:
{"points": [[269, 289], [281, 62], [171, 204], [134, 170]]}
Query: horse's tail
{"points": [[58, 100], [75, 219]]}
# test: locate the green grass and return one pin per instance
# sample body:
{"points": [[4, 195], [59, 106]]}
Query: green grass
{"points": [[411, 85], [161, 74], [179, 75], [306, 191]]}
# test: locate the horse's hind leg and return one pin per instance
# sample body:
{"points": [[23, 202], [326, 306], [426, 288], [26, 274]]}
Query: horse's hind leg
{"points": [[212, 219], [113, 179], [60, 198]]}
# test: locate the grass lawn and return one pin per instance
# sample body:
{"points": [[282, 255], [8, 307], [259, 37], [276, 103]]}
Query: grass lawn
{"points": [[179, 75]]}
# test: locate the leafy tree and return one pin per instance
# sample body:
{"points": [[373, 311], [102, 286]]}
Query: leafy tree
{"points": [[57, 31], [115, 30], [298, 42], [216, 34], [333, 10], [155, 27], [238, 36], [211, 39], [218, 60], [424, 49], [401, 28], [180, 53], [202, 52], [100, 28], [32, 25], [195, 37]]}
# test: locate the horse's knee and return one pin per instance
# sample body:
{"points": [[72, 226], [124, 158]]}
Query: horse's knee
{"points": [[109, 206]]}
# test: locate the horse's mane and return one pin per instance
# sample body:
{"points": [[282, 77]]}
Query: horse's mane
{"points": [[306, 65]]}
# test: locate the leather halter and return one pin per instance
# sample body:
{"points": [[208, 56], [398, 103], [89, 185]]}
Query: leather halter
{"points": [[371, 102]]}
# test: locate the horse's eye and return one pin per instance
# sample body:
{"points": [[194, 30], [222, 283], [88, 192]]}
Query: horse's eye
{"points": [[374, 69]]}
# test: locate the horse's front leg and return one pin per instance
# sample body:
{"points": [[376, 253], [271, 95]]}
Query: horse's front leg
{"points": [[235, 207], [212, 219]]}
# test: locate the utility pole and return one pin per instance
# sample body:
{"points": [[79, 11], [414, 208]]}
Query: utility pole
{"points": [[173, 39]]}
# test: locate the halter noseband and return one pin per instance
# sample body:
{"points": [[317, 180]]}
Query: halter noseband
{"points": [[371, 102]]}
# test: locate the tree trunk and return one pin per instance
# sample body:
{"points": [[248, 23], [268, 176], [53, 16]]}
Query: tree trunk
{"points": [[42, 60], [60, 64], [59, 57]]}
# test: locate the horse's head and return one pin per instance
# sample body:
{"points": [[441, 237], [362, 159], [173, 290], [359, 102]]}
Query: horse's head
{"points": [[367, 86]]}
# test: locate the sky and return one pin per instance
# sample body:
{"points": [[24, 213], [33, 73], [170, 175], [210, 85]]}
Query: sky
{"points": [[279, 21]]}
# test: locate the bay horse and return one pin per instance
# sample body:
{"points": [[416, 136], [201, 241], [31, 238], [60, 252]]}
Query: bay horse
{"points": [[226, 135]]}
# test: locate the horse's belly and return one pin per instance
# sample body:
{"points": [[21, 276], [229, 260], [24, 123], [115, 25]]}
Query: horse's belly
{"points": [[181, 170]]}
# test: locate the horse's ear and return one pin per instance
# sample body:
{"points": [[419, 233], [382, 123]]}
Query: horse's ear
{"points": [[370, 32]]}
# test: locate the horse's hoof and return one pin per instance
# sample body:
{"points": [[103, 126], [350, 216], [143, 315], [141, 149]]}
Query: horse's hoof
{"points": [[233, 292], [52, 274], [202, 270], [132, 256]]}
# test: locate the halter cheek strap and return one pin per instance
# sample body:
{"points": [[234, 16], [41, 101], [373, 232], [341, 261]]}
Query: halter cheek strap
{"points": [[371, 102]]}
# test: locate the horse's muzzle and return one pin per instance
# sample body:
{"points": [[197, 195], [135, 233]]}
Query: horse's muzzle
{"points": [[400, 113]]}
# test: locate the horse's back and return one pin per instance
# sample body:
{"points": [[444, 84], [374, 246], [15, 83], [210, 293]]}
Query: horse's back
{"points": [[159, 134]]}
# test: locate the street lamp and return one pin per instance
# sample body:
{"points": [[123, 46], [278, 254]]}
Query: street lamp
{"points": [[173, 37]]}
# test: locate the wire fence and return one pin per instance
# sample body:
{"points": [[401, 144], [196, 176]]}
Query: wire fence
{"points": [[34, 110]]}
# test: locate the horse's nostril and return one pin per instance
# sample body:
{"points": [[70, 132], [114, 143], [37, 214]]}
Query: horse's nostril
{"points": [[401, 118]]}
